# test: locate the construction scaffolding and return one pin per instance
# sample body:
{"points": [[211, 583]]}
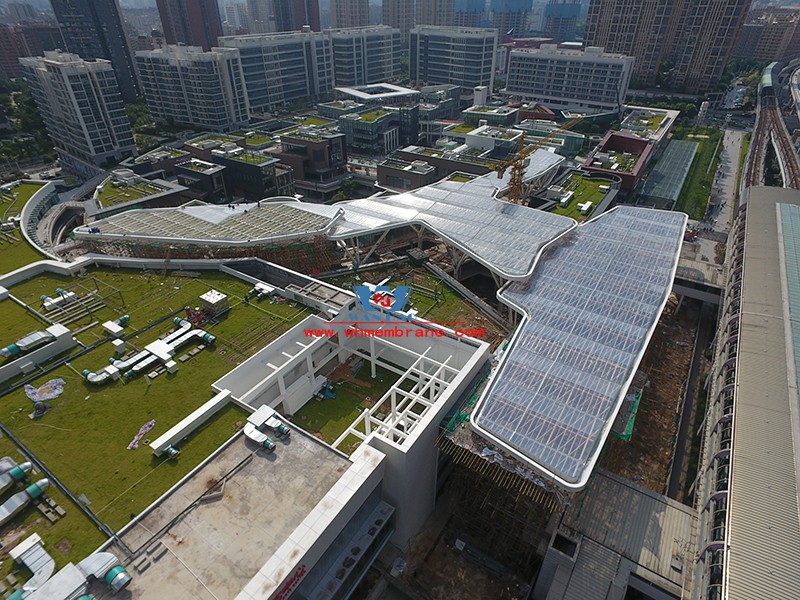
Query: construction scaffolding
{"points": [[482, 506], [313, 255]]}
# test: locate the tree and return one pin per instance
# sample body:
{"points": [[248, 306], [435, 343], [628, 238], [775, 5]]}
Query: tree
{"points": [[347, 190]]}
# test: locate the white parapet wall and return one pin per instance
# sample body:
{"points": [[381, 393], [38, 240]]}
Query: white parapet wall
{"points": [[178, 432]]}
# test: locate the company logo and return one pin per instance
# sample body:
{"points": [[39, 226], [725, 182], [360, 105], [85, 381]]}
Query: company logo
{"points": [[393, 300]]}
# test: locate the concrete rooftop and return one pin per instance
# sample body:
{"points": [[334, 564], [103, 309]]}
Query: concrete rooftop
{"points": [[210, 549]]}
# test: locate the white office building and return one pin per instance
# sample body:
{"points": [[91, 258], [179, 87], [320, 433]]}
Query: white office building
{"points": [[589, 80], [364, 55], [281, 68], [82, 108], [187, 86], [455, 55]]}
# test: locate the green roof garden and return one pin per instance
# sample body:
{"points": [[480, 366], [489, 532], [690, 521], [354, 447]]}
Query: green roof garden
{"points": [[585, 189], [461, 177], [15, 251], [117, 192], [257, 139], [461, 128], [488, 109], [316, 121], [216, 137], [173, 153], [374, 115], [199, 166], [625, 161], [64, 438], [251, 158]]}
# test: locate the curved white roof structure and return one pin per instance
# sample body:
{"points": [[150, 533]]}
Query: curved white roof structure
{"points": [[506, 238], [590, 309], [590, 304]]}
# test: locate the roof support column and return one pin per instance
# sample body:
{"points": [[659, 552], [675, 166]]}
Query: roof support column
{"points": [[375, 246]]}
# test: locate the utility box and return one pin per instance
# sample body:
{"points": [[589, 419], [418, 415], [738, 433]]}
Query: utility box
{"points": [[214, 302], [119, 347]]}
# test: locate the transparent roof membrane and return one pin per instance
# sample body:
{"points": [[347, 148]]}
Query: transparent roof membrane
{"points": [[592, 304]]}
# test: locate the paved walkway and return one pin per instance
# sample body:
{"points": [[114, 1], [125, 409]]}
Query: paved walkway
{"points": [[723, 192]]}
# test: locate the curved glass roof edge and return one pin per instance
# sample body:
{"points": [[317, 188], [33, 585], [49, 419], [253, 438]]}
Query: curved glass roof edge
{"points": [[581, 478], [512, 276]]}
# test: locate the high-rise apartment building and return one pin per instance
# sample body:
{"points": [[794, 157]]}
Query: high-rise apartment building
{"points": [[81, 105], [184, 85], [455, 55], [270, 16], [190, 22], [363, 55], [469, 13], [94, 29], [30, 39], [281, 68], [292, 15], [510, 17], [349, 13], [561, 19], [435, 12], [400, 15], [235, 14], [18, 12], [586, 80], [695, 37], [770, 34]]}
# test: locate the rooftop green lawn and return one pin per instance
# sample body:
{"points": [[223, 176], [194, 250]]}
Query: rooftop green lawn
{"points": [[84, 438], [16, 322], [145, 296], [626, 163], [15, 251], [655, 122], [11, 202], [329, 418], [374, 115], [112, 195], [251, 158], [484, 109], [432, 300], [460, 177], [586, 190], [462, 128], [173, 152], [70, 539], [317, 121], [199, 167]]}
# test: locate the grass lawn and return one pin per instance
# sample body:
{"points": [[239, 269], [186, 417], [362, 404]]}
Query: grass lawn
{"points": [[329, 418], [460, 177], [112, 194], [16, 322], [586, 190], [697, 187], [373, 115], [318, 121], [15, 251], [462, 128], [251, 158], [449, 307], [84, 438], [69, 539]]}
